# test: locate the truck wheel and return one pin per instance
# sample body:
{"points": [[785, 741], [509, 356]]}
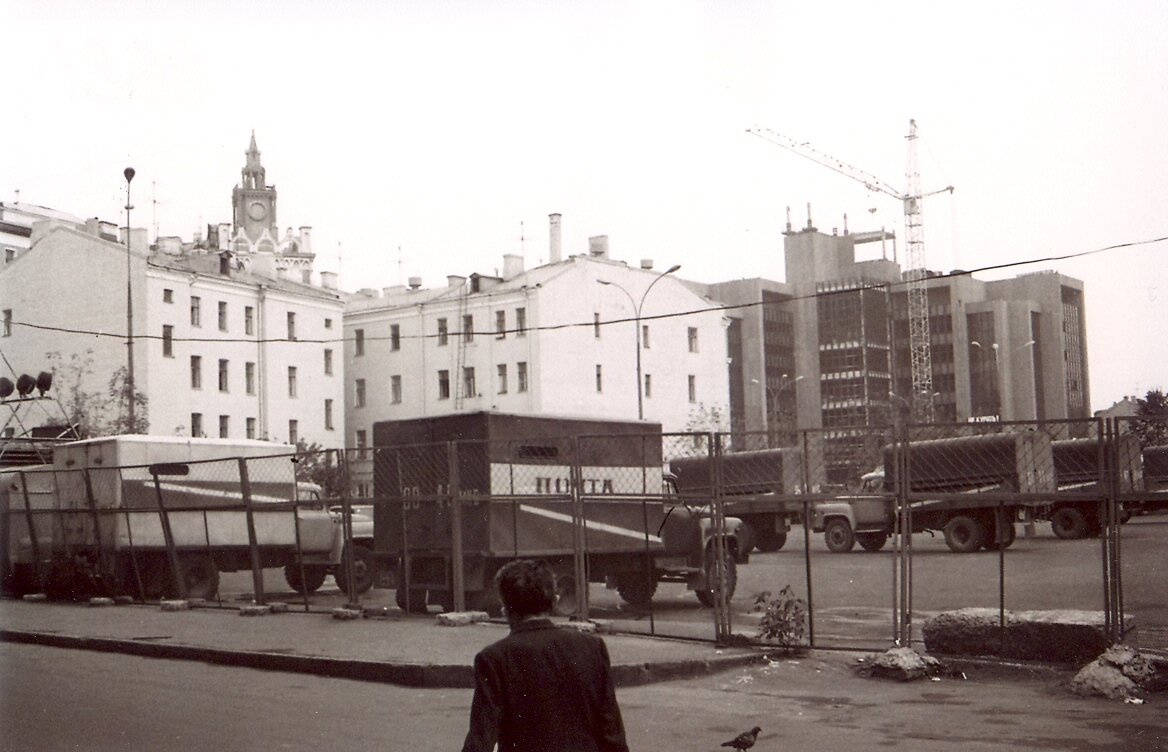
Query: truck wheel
{"points": [[872, 541], [313, 577], [1005, 538], [771, 541], [1068, 523], [709, 595], [964, 534], [566, 600], [200, 575], [635, 588], [838, 536], [417, 604], [362, 571]]}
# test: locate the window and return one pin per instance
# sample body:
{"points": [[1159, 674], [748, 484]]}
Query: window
{"points": [[293, 432], [359, 395], [599, 378], [222, 316], [395, 389], [196, 372], [394, 337], [9, 257], [501, 374], [167, 295], [291, 381], [328, 415], [520, 322], [224, 426], [196, 305], [468, 382], [693, 339], [596, 325], [222, 375], [521, 377], [291, 325], [328, 362], [362, 443], [500, 324], [248, 320], [328, 323], [249, 377], [358, 341], [648, 386], [443, 333], [167, 340], [645, 336], [693, 388], [443, 385], [196, 425], [7, 322], [251, 426], [468, 328]]}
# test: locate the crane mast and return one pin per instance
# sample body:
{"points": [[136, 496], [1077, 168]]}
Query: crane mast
{"points": [[918, 297]]}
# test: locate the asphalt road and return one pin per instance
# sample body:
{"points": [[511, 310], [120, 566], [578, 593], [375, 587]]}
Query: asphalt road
{"points": [[60, 699], [852, 594]]}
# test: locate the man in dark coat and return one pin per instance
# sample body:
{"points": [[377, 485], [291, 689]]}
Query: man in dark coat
{"points": [[542, 688]]}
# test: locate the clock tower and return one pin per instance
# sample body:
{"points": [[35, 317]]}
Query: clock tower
{"points": [[253, 200]]}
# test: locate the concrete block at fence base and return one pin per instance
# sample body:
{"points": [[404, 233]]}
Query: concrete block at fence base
{"points": [[279, 607], [174, 605], [1119, 674], [101, 601], [579, 626], [1064, 636], [461, 618], [254, 609], [902, 664], [378, 612], [197, 602], [35, 597], [124, 600], [345, 613]]}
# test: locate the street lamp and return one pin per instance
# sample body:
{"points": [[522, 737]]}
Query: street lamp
{"points": [[637, 321], [773, 396], [129, 173]]}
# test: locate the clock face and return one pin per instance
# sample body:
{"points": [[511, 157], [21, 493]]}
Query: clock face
{"points": [[257, 210]]}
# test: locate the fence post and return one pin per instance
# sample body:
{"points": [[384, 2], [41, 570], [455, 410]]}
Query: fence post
{"points": [[299, 563], [807, 522], [579, 540], [347, 530], [456, 574], [718, 520], [167, 535], [257, 573], [102, 563], [33, 536]]}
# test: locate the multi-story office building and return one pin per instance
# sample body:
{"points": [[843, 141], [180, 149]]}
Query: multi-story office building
{"points": [[227, 339], [561, 338]]}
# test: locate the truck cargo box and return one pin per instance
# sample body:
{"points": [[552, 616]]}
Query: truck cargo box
{"points": [[1020, 462]]}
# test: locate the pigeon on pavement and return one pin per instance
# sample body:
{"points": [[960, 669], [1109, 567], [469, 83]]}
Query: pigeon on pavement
{"points": [[745, 740]]}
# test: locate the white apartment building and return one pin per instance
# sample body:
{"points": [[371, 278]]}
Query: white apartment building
{"points": [[557, 339]]}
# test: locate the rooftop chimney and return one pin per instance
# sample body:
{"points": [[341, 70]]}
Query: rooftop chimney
{"points": [[415, 283], [554, 253], [328, 280], [512, 265], [647, 264], [598, 246]]}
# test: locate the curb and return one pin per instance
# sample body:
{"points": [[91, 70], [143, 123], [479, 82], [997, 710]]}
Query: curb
{"points": [[432, 676]]}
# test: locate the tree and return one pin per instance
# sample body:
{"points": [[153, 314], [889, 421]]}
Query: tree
{"points": [[316, 465], [1151, 425], [94, 410]]}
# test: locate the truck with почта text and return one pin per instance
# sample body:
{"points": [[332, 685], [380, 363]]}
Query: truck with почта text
{"points": [[158, 516], [458, 496], [761, 487], [974, 481]]}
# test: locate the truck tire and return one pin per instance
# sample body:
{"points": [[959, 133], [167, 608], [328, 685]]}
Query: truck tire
{"points": [[838, 536], [417, 604], [1005, 539], [872, 541], [363, 574], [200, 576], [635, 588], [770, 541], [708, 596], [964, 534], [314, 577], [1069, 523]]}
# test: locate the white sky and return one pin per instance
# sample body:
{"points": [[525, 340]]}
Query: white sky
{"points": [[438, 127]]}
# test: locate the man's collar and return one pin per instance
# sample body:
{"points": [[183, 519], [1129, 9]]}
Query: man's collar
{"points": [[538, 622]]}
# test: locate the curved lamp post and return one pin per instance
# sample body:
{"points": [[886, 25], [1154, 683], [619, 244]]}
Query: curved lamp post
{"points": [[637, 319]]}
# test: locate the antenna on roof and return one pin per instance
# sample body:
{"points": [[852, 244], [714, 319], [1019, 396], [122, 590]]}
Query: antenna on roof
{"points": [[399, 265]]}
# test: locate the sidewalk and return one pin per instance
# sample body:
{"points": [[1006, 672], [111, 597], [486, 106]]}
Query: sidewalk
{"points": [[397, 649]]}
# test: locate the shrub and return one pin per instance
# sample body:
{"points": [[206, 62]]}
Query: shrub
{"points": [[784, 617]]}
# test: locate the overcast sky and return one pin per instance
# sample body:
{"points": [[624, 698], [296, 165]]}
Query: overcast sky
{"points": [[430, 138]]}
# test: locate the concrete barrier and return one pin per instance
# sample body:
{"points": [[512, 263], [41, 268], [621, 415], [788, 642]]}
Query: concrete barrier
{"points": [[1050, 636]]}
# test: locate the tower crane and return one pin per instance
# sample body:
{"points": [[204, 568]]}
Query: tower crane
{"points": [[918, 300]]}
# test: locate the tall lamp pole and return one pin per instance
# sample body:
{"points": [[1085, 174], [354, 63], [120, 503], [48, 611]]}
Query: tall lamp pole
{"points": [[129, 173], [637, 320]]}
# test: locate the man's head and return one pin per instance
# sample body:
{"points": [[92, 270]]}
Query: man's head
{"points": [[527, 588]]}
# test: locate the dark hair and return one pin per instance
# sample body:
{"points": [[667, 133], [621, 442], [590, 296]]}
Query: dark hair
{"points": [[526, 587]]}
